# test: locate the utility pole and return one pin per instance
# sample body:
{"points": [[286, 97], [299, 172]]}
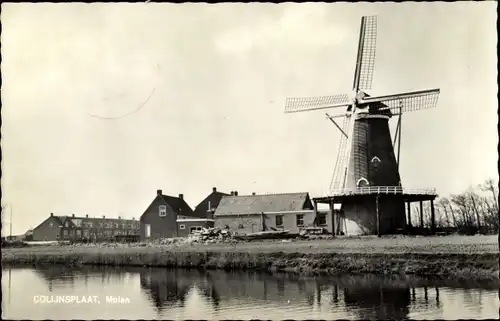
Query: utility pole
{"points": [[11, 221]]}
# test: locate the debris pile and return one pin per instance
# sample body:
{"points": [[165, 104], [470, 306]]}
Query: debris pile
{"points": [[211, 236], [205, 236]]}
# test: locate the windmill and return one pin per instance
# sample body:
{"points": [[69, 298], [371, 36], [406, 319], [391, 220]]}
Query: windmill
{"points": [[366, 159]]}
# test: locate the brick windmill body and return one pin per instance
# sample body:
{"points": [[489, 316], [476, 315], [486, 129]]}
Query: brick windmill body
{"points": [[366, 180]]}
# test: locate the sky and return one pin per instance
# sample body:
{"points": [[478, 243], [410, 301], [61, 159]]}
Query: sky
{"points": [[205, 87]]}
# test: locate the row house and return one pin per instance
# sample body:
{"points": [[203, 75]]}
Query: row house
{"points": [[86, 228]]}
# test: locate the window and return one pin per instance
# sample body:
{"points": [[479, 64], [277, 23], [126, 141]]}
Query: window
{"points": [[321, 219], [195, 228], [78, 233], [163, 210], [375, 162], [51, 224], [300, 219], [65, 233], [279, 220], [182, 226], [362, 182]]}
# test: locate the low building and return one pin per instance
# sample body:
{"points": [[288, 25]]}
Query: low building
{"points": [[169, 216], [86, 228], [255, 213]]}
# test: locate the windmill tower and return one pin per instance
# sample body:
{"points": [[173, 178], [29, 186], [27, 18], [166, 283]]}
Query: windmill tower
{"points": [[367, 165]]}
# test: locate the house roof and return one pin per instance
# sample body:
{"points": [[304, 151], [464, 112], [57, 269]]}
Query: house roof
{"points": [[254, 204], [177, 204], [61, 219], [201, 209]]}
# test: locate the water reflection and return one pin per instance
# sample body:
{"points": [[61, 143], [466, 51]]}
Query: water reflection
{"points": [[197, 294], [168, 287]]}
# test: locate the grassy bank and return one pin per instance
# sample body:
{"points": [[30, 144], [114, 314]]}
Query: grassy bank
{"points": [[463, 257]]}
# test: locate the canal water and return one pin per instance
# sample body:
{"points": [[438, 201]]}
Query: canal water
{"points": [[152, 293]]}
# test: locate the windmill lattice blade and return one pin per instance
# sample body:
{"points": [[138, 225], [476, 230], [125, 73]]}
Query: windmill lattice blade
{"points": [[408, 101], [337, 177], [294, 105], [365, 62]]}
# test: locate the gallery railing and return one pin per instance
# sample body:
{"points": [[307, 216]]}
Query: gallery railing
{"points": [[383, 190]]}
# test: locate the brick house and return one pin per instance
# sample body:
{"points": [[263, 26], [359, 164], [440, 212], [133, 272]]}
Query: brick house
{"points": [[255, 213], [83, 228], [206, 208], [169, 216]]}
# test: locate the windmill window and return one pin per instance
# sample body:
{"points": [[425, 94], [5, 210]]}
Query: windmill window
{"points": [[375, 162], [362, 182], [163, 210]]}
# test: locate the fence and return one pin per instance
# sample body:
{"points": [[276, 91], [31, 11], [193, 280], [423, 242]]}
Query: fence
{"points": [[383, 190]]}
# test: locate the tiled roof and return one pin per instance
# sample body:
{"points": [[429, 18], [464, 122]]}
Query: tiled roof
{"points": [[254, 204], [201, 209], [178, 205]]}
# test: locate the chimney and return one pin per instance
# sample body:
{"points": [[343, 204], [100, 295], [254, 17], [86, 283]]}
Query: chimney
{"points": [[253, 193], [158, 192], [119, 217], [72, 215], [232, 193], [214, 189], [133, 218], [86, 215], [235, 193], [181, 196], [103, 217], [51, 214]]}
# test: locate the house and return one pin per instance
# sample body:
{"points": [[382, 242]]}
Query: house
{"points": [[169, 216], [28, 236], [206, 208], [83, 228], [254, 213], [49, 229]]}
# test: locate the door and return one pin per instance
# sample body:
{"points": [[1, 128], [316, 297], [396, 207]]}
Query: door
{"points": [[148, 230]]}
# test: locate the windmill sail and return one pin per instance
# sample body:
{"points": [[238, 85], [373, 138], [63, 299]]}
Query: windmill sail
{"points": [[365, 62], [299, 104], [406, 102], [337, 178]]}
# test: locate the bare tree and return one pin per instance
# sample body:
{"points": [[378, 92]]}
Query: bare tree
{"points": [[490, 186]]}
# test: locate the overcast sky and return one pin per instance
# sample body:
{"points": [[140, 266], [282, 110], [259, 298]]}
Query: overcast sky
{"points": [[214, 79]]}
